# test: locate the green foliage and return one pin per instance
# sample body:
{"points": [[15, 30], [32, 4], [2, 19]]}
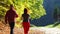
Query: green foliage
{"points": [[56, 13], [35, 7]]}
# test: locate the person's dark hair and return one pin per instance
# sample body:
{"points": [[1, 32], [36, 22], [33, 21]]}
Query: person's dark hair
{"points": [[11, 6], [25, 11]]}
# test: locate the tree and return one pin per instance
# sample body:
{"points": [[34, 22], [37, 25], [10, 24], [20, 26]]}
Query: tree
{"points": [[35, 7], [56, 16]]}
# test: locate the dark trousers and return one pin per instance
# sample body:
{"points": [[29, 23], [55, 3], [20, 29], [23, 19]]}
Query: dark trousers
{"points": [[11, 27]]}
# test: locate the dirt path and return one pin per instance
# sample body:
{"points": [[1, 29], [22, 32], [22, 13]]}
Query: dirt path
{"points": [[20, 31], [33, 30]]}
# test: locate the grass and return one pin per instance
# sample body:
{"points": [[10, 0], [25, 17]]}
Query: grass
{"points": [[57, 25]]}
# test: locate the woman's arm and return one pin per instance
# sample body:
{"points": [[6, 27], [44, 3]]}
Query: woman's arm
{"points": [[29, 18], [21, 18]]}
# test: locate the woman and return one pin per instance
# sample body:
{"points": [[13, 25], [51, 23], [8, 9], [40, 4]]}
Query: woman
{"points": [[26, 23]]}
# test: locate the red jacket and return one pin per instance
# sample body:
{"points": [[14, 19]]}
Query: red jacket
{"points": [[10, 16]]}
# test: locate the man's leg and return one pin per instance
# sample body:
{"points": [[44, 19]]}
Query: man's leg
{"points": [[11, 27]]}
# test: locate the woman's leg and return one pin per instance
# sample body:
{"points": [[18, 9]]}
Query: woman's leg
{"points": [[26, 27]]}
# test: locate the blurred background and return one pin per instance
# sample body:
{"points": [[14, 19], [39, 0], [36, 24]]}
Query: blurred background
{"points": [[43, 13]]}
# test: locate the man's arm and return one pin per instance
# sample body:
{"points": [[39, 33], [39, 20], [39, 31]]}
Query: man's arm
{"points": [[15, 14]]}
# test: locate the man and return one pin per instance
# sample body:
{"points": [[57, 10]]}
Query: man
{"points": [[10, 18]]}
